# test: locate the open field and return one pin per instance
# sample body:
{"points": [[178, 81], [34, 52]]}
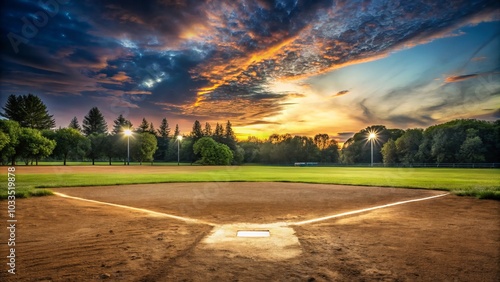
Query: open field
{"points": [[483, 183], [186, 232]]}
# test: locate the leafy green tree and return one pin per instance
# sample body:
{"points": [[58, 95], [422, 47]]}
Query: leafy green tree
{"points": [[33, 146], [4, 140], [143, 147], [12, 130], [29, 111], [472, 150], [94, 122], [251, 148], [357, 149], [99, 146], [212, 153], [120, 124], [408, 145], [70, 141], [328, 148], [75, 125], [108, 146], [389, 152]]}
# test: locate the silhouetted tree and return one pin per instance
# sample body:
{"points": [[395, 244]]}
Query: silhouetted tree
{"points": [[29, 111], [120, 124], [75, 125], [94, 122]]}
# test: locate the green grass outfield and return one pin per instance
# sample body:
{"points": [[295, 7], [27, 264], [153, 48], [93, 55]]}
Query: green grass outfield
{"points": [[481, 183]]}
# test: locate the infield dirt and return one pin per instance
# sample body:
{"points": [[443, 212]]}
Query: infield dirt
{"points": [[448, 238]]}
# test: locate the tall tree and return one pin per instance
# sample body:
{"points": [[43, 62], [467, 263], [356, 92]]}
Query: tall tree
{"points": [[176, 131], [389, 152], [144, 126], [197, 133], [4, 140], [74, 124], [151, 129], [212, 153], [120, 124], [70, 141], [322, 141], [94, 122], [219, 132], [472, 150], [12, 130], [33, 146], [143, 147], [29, 111], [99, 146], [408, 145], [164, 130], [208, 129], [229, 133]]}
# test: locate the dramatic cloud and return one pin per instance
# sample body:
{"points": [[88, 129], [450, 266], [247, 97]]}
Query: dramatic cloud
{"points": [[220, 60]]}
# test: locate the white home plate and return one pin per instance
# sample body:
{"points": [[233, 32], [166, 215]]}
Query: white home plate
{"points": [[261, 241], [253, 233]]}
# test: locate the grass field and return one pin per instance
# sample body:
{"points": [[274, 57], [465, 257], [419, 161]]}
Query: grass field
{"points": [[481, 183]]}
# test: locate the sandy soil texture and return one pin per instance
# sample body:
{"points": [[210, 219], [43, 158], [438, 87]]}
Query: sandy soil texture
{"points": [[448, 238]]}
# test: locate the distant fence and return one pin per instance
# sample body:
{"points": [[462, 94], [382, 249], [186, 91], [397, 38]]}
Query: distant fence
{"points": [[443, 165]]}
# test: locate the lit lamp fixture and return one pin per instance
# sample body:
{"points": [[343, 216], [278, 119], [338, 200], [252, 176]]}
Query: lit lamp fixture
{"points": [[372, 138], [128, 133], [179, 139]]}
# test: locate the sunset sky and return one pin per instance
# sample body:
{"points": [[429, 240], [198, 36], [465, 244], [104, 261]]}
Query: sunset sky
{"points": [[285, 66]]}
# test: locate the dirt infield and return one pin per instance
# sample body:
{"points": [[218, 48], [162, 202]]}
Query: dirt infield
{"points": [[441, 239]]}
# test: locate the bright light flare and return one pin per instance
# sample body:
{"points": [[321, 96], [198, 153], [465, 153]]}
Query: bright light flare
{"points": [[372, 135], [127, 132], [179, 138]]}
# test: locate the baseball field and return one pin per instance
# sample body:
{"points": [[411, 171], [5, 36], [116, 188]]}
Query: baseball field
{"points": [[170, 223]]}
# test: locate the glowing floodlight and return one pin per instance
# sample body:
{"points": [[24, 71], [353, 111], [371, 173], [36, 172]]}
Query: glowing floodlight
{"points": [[253, 233], [372, 137], [128, 133]]}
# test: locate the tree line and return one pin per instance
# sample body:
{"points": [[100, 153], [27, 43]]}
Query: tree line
{"points": [[27, 134]]}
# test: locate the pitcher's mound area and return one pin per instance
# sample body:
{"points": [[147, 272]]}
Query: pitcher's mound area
{"points": [[188, 232]]}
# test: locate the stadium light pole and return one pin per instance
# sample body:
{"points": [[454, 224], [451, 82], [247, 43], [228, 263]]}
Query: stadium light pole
{"points": [[179, 139], [128, 133], [372, 137]]}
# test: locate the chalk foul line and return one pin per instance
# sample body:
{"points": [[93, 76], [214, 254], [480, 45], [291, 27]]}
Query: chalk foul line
{"points": [[197, 221], [150, 212], [314, 220]]}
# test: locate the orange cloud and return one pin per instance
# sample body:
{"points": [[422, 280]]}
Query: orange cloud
{"points": [[457, 78]]}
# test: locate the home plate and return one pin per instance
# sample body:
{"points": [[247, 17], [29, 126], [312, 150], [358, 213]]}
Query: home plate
{"points": [[253, 233], [275, 241]]}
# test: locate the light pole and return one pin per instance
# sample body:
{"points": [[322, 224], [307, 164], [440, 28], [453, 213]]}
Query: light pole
{"points": [[179, 139], [372, 137], [128, 133]]}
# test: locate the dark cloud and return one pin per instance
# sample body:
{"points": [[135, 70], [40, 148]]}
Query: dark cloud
{"points": [[340, 93], [209, 58], [405, 120]]}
